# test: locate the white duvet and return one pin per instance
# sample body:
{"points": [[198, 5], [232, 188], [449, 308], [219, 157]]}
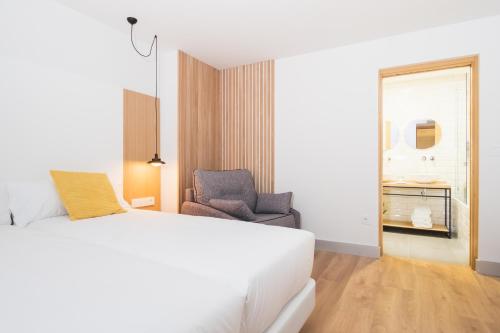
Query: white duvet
{"points": [[262, 264], [49, 284]]}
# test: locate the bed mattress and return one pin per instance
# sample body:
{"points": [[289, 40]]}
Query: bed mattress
{"points": [[49, 284], [265, 265]]}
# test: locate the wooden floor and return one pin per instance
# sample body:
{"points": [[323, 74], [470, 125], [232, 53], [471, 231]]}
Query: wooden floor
{"points": [[357, 294]]}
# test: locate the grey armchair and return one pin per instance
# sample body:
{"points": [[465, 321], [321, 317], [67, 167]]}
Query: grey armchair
{"points": [[235, 185]]}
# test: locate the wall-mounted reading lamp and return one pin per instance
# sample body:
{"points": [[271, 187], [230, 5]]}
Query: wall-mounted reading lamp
{"points": [[156, 160]]}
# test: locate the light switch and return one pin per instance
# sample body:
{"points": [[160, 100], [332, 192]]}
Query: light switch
{"points": [[143, 202]]}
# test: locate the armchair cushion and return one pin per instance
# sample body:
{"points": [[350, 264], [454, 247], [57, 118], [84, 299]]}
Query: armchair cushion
{"points": [[230, 185], [194, 208], [236, 208], [273, 203]]}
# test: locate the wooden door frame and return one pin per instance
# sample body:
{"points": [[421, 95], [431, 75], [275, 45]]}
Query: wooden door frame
{"points": [[473, 62]]}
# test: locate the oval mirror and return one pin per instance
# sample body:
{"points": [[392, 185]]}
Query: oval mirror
{"points": [[422, 134]]}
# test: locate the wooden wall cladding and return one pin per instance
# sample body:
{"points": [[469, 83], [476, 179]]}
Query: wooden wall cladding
{"points": [[247, 101], [139, 178], [199, 119]]}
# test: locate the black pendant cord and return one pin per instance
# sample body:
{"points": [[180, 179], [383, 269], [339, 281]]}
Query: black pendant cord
{"points": [[153, 43]]}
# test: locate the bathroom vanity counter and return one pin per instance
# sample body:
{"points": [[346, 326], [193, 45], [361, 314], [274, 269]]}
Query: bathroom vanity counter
{"points": [[410, 184], [438, 190]]}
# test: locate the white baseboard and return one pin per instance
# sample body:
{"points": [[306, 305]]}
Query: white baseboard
{"points": [[488, 267], [482, 266], [348, 248]]}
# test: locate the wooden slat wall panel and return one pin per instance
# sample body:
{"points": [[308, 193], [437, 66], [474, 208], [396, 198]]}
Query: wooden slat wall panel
{"points": [[199, 119], [248, 121], [139, 178]]}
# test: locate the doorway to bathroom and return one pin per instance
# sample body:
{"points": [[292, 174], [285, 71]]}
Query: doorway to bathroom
{"points": [[428, 161]]}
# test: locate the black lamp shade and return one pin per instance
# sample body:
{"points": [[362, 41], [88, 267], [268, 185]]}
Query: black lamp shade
{"points": [[156, 161]]}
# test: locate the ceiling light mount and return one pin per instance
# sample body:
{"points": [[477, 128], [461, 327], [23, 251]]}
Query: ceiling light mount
{"points": [[131, 20]]}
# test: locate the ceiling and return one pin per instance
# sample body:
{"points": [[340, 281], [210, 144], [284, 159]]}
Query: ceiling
{"points": [[227, 33]]}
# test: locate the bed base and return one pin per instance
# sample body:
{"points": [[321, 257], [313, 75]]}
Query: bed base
{"points": [[296, 311]]}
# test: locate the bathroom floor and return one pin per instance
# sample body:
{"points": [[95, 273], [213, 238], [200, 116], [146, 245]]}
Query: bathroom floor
{"points": [[427, 247]]}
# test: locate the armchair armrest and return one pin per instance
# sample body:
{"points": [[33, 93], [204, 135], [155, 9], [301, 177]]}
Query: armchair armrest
{"points": [[297, 217], [193, 208]]}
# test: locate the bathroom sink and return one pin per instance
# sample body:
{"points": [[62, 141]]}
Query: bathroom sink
{"points": [[432, 181]]}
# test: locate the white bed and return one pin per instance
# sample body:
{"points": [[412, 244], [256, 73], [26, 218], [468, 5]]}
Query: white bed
{"points": [[50, 284], [267, 266]]}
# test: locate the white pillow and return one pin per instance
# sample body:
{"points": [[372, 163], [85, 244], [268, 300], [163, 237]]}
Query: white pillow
{"points": [[4, 206], [32, 201]]}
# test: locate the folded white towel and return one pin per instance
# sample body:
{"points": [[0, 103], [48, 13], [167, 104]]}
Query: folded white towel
{"points": [[421, 214], [421, 220], [421, 217]]}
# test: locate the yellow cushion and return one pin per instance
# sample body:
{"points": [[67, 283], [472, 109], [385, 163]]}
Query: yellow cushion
{"points": [[86, 195]]}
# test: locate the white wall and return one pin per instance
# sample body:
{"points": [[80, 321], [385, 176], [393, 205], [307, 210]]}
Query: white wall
{"points": [[169, 139], [326, 128], [62, 76]]}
